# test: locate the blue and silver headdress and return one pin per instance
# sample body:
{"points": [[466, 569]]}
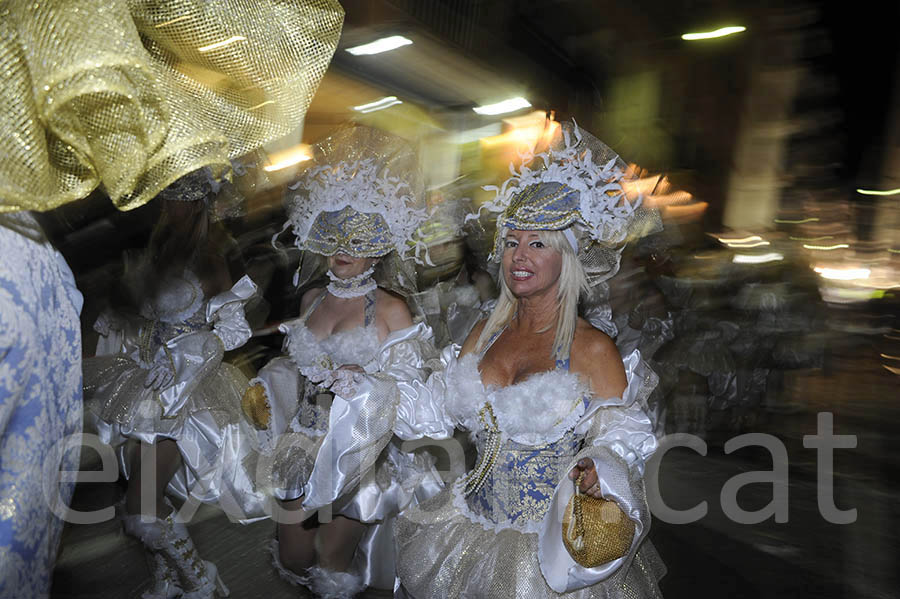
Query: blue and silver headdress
{"points": [[574, 186], [221, 195], [362, 196], [353, 208], [362, 199]]}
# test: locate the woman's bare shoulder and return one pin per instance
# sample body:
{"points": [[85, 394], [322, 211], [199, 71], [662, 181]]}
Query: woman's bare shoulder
{"points": [[309, 297], [393, 310], [595, 356]]}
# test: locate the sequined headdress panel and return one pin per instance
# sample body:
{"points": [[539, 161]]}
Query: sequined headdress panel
{"points": [[542, 207], [354, 233], [363, 196]]}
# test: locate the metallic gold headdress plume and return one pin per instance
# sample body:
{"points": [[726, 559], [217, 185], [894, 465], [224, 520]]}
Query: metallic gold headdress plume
{"points": [[134, 94]]}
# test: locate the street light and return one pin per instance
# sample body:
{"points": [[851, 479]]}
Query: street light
{"points": [[705, 35]]}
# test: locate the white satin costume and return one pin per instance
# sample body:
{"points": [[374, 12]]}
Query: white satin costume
{"points": [[180, 330], [501, 535], [340, 450]]}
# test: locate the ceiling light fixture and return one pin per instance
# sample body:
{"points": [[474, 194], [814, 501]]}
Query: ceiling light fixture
{"points": [[757, 258], [843, 274], [826, 248], [510, 105], [290, 157], [381, 104], [875, 192]]}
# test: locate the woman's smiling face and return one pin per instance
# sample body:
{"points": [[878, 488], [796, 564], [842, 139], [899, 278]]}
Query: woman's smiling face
{"points": [[530, 266]]}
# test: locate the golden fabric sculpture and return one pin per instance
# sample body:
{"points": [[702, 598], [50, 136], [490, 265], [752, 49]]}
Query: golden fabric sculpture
{"points": [[134, 94]]}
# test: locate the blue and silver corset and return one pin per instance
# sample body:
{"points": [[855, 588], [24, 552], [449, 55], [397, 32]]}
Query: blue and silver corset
{"points": [[517, 490], [315, 408]]}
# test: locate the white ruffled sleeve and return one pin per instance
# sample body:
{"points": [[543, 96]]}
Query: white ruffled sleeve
{"points": [[194, 355], [421, 411], [619, 439], [226, 313], [361, 422]]}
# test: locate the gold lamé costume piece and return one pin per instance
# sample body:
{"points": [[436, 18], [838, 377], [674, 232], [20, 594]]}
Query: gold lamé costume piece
{"points": [[256, 408], [131, 95]]}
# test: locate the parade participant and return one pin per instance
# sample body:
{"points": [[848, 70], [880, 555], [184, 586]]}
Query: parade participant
{"points": [[558, 420], [356, 212]]}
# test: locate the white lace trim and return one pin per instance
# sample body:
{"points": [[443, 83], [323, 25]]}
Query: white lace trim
{"points": [[354, 346], [459, 502], [357, 286]]}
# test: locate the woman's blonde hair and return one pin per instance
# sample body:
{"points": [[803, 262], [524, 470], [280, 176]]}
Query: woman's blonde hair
{"points": [[572, 282]]}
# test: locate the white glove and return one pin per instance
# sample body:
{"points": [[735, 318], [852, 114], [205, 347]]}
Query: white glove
{"points": [[161, 375]]}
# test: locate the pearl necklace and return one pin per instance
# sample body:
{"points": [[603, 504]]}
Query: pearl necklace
{"points": [[356, 286]]}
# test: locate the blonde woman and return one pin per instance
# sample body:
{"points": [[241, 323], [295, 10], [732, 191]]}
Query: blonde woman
{"points": [[548, 401]]}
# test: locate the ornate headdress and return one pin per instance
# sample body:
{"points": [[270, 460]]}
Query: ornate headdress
{"points": [[363, 197], [221, 196], [574, 186]]}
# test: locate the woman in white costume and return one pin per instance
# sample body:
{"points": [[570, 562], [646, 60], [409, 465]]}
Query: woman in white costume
{"points": [[358, 211], [548, 402], [159, 379]]}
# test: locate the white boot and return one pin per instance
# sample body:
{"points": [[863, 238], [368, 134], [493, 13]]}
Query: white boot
{"points": [[330, 584], [199, 579], [165, 579]]}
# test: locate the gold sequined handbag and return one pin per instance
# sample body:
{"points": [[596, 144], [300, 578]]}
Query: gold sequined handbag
{"points": [[595, 531]]}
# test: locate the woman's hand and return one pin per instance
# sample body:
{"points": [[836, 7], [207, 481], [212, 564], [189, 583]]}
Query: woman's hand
{"points": [[590, 484], [345, 379], [161, 375]]}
